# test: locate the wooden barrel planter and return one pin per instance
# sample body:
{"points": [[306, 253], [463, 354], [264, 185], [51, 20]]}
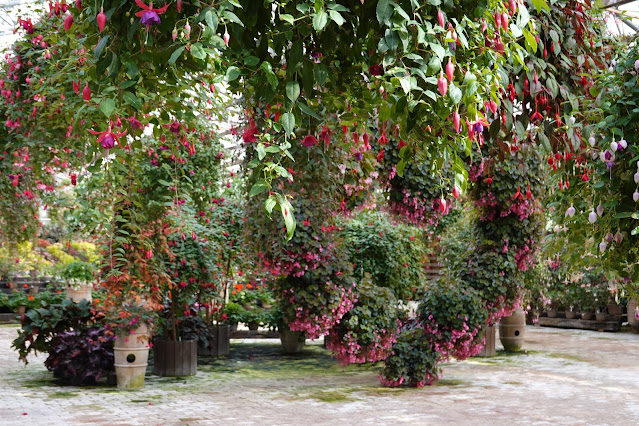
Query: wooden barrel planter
{"points": [[220, 344], [512, 331], [173, 358], [78, 294], [633, 321], [131, 354], [489, 334], [292, 341]]}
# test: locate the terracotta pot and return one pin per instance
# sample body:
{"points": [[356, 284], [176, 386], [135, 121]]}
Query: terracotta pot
{"points": [[79, 294], [512, 331], [131, 357], [587, 315], [601, 316], [552, 313], [21, 310], [292, 341], [615, 309], [253, 325], [571, 314]]}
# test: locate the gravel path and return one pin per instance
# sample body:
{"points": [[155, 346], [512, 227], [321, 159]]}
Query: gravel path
{"points": [[566, 377]]}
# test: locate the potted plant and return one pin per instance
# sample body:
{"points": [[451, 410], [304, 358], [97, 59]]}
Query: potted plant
{"points": [[18, 301], [77, 276], [234, 314]]}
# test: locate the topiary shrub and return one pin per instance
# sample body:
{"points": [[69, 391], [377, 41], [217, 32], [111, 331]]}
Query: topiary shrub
{"points": [[80, 357], [452, 317], [413, 360], [366, 332]]}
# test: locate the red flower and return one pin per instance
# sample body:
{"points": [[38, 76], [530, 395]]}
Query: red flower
{"points": [[309, 141]]}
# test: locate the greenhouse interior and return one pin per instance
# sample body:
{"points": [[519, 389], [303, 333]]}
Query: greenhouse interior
{"points": [[244, 212]]}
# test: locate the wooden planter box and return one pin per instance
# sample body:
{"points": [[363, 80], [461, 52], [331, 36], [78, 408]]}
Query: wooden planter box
{"points": [[220, 345], [175, 358]]}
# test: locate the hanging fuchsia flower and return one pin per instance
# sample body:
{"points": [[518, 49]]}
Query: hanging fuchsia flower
{"points": [[309, 141], [109, 138], [149, 16]]}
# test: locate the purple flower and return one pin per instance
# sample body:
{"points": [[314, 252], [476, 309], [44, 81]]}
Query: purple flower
{"points": [[452, 46], [149, 18], [108, 141], [479, 127], [358, 156]]}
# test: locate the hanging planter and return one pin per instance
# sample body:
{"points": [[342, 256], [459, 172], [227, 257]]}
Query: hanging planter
{"points": [[131, 356]]}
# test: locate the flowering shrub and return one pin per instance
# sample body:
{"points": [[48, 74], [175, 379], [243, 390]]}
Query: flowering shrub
{"points": [[368, 330]]}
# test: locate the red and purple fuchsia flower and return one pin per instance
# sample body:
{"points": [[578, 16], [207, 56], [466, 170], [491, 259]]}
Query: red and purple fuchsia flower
{"points": [[148, 15]]}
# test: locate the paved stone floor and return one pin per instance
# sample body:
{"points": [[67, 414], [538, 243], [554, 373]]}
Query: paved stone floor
{"points": [[566, 377]]}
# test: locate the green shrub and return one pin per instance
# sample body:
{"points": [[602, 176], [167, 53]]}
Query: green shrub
{"points": [[393, 254]]}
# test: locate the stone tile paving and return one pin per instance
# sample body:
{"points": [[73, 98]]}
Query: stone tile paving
{"points": [[566, 377]]}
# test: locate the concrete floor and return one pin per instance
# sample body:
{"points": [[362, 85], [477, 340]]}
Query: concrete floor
{"points": [[566, 377]]}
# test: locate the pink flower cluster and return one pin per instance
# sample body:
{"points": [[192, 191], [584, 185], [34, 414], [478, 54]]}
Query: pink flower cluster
{"points": [[315, 325], [462, 343], [347, 349]]}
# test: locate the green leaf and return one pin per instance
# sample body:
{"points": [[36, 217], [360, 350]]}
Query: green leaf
{"points": [[259, 187], [269, 204], [100, 47], [320, 74], [292, 90], [307, 110], [107, 106], [320, 20], [288, 122], [287, 18], [439, 50], [176, 54], [211, 19], [131, 99], [336, 17], [540, 4], [233, 17], [400, 168], [232, 73], [384, 11], [251, 61], [454, 93], [261, 152], [289, 218], [530, 41], [197, 51]]}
